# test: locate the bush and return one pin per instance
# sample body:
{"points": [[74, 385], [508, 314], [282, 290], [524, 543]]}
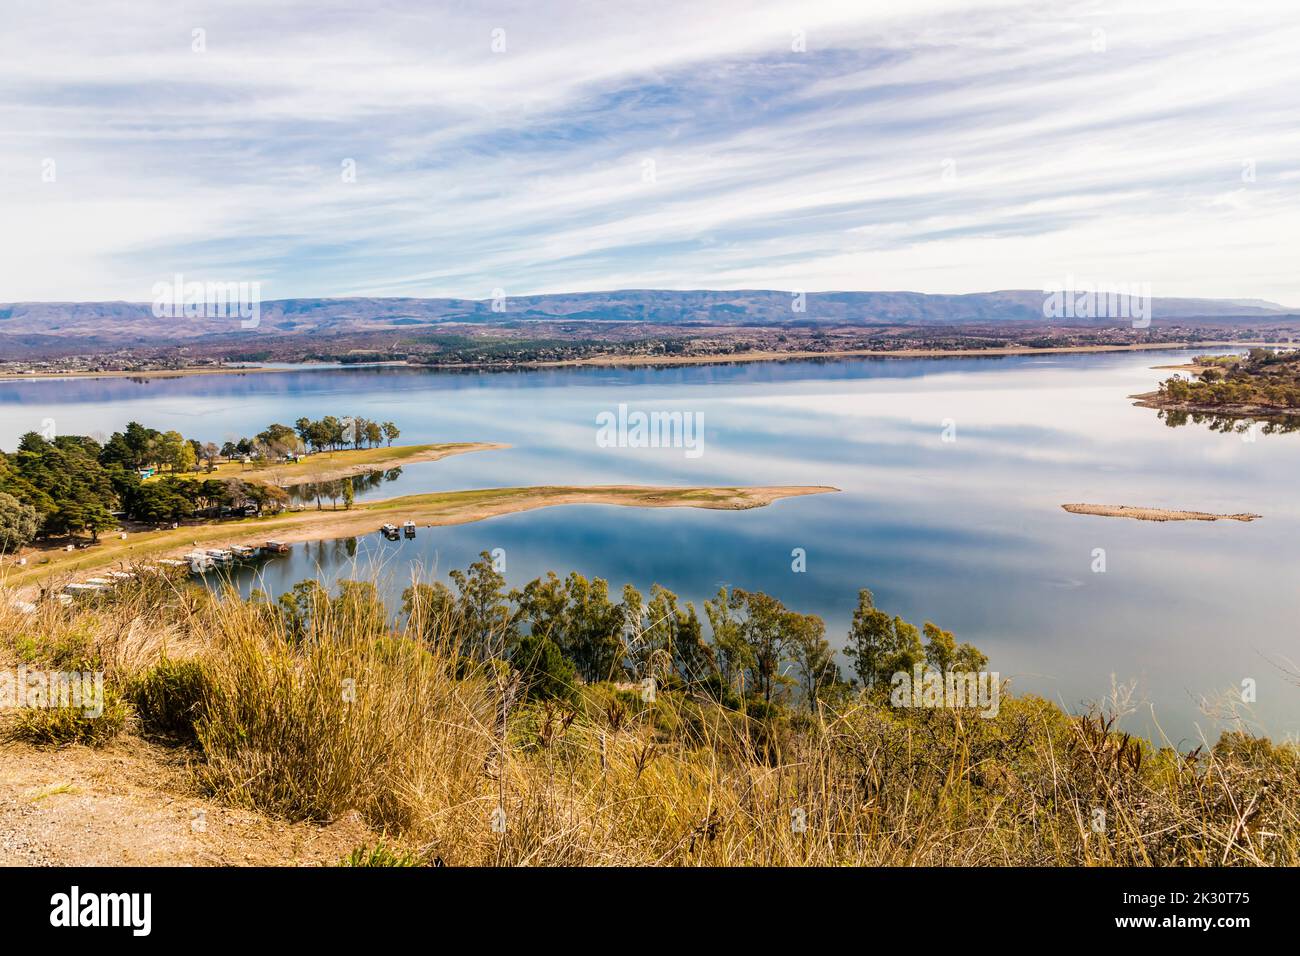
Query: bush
{"points": [[381, 855], [547, 674], [169, 698], [60, 726], [338, 722]]}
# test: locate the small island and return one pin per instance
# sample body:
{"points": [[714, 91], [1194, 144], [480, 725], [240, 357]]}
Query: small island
{"points": [[1153, 514]]}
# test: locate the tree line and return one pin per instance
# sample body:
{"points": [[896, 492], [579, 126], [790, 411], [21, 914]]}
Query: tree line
{"points": [[756, 654], [330, 433]]}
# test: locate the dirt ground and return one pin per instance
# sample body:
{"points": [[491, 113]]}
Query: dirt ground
{"points": [[134, 803]]}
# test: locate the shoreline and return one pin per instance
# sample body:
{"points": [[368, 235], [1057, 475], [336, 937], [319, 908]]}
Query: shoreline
{"points": [[645, 360], [428, 510], [765, 356], [1262, 412]]}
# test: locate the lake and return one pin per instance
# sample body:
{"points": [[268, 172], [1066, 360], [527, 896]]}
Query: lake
{"points": [[952, 473]]}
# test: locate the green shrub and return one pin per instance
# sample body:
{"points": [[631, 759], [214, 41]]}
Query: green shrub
{"points": [[547, 674], [380, 855], [169, 698], [72, 649], [60, 726]]}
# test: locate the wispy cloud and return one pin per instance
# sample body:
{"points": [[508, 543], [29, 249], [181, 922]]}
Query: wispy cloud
{"points": [[933, 146]]}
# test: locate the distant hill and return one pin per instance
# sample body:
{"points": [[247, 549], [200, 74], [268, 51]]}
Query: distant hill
{"points": [[104, 324]]}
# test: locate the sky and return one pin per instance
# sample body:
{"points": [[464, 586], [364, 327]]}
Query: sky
{"points": [[454, 149]]}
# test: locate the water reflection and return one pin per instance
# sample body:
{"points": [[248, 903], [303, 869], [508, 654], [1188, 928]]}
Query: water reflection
{"points": [[334, 491], [1232, 424]]}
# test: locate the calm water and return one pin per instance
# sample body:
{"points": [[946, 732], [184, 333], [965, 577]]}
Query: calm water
{"points": [[967, 533]]}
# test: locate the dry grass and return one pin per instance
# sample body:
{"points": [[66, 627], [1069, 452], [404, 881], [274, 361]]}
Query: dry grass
{"points": [[355, 716]]}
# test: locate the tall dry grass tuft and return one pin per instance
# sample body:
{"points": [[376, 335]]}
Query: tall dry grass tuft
{"points": [[352, 713], [348, 717]]}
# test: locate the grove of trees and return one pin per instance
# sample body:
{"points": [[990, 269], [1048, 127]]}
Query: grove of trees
{"points": [[74, 485], [560, 632]]}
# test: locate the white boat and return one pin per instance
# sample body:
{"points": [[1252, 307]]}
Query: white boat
{"points": [[200, 561], [408, 527], [84, 588], [220, 555]]}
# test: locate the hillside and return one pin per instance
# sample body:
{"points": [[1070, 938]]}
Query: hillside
{"points": [[124, 324]]}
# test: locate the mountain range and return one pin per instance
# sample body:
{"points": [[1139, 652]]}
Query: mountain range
{"points": [[101, 324]]}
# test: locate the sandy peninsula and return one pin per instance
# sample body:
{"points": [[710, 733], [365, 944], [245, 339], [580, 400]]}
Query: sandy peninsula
{"points": [[1153, 514], [438, 508]]}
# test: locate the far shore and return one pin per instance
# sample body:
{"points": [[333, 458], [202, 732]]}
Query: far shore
{"points": [[426, 510], [767, 356], [1153, 514], [641, 360], [195, 370]]}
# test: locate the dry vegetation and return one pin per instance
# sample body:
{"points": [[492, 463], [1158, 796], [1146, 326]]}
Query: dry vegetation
{"points": [[356, 715]]}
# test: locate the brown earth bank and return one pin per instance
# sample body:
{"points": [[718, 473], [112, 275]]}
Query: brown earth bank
{"points": [[1153, 514], [134, 803]]}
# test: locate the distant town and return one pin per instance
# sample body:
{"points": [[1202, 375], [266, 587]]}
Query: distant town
{"points": [[544, 343]]}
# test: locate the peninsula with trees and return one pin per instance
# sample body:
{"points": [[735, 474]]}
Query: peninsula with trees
{"points": [[1228, 392]]}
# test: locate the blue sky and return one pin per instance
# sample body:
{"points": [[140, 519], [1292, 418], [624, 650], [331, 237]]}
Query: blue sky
{"points": [[926, 145]]}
